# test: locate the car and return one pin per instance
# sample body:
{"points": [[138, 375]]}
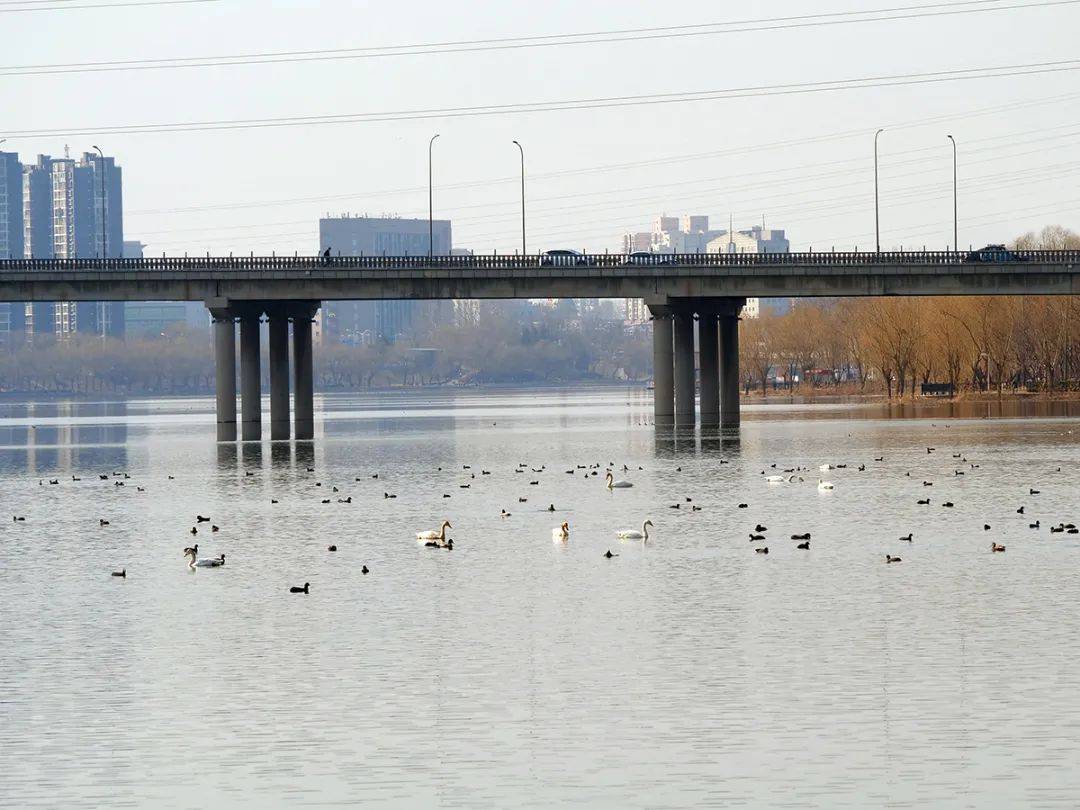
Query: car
{"points": [[994, 254], [565, 258], [647, 258]]}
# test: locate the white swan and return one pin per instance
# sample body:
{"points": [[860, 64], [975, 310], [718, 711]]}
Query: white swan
{"points": [[613, 484], [562, 533], [634, 534], [439, 535], [826, 467], [206, 562], [824, 486]]}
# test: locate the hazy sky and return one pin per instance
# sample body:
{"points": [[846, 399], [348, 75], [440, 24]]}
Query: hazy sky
{"points": [[263, 189]]}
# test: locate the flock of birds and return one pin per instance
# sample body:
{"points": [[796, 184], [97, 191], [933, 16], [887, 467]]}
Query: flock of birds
{"points": [[439, 539]]}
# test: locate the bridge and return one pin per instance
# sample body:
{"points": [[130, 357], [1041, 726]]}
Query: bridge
{"points": [[680, 289]]}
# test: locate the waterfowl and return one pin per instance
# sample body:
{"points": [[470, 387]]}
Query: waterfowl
{"points": [[754, 538], [1034, 525], [613, 484], [948, 504], [890, 559], [17, 518], [201, 519], [927, 483], [775, 479], [194, 530], [880, 458], [331, 548], [1057, 529], [504, 514], [744, 506], [1033, 492], [801, 536], [387, 495], [75, 478], [634, 534], [294, 589], [561, 533], [325, 500], [996, 547], [439, 535], [907, 539], [206, 562], [924, 502], [826, 467], [273, 500], [103, 522], [1020, 511], [106, 478], [986, 527], [762, 550], [760, 528], [364, 569], [609, 555], [191, 550], [804, 546], [824, 486], [523, 500], [551, 507], [122, 573]]}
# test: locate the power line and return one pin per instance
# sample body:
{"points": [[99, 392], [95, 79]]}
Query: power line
{"points": [[893, 14], [663, 161], [605, 102], [136, 3]]}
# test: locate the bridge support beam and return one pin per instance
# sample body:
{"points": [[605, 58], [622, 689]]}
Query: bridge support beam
{"points": [[304, 370], [684, 368], [729, 370], [225, 361], [663, 368], [250, 375], [709, 363], [280, 427]]}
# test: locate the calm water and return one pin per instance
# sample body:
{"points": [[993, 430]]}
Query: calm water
{"points": [[514, 671]]}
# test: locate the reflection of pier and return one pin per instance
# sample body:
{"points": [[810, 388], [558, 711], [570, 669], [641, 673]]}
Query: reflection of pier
{"points": [[54, 442]]}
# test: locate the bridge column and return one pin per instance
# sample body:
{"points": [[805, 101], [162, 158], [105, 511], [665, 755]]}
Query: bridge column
{"points": [[279, 373], [304, 370], [729, 369], [709, 363], [250, 376], [225, 363], [684, 368], [663, 368]]}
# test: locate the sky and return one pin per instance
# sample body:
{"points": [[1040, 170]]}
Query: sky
{"points": [[800, 161]]}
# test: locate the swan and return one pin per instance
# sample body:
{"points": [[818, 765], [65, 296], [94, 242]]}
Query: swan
{"points": [[206, 562], [826, 467], [634, 534], [561, 533], [775, 479], [613, 484], [439, 535], [825, 486]]}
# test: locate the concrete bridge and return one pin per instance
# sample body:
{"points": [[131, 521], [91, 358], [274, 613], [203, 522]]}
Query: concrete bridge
{"points": [[709, 289]]}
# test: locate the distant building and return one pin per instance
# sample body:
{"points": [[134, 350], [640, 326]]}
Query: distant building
{"points": [[347, 235], [155, 318], [12, 316]]}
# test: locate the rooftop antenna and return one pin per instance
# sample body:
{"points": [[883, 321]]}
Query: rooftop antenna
{"points": [[731, 233], [67, 151]]}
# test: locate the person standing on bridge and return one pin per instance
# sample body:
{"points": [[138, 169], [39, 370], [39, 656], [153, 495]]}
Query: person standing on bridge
{"points": [[326, 256]]}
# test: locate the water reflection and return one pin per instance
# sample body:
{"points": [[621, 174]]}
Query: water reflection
{"points": [[57, 437]]}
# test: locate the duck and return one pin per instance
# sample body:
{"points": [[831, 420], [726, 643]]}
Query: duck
{"points": [[504, 514], [331, 548], [194, 530], [923, 502], [744, 506], [388, 496], [801, 536], [214, 528], [826, 467], [561, 533], [755, 538], [201, 519], [551, 507], [986, 527], [17, 518], [103, 522], [616, 484], [634, 534], [1034, 525], [891, 559], [996, 547], [948, 504], [825, 486], [1020, 511], [760, 528], [295, 589], [908, 539], [1033, 492], [762, 550], [431, 534], [608, 555], [364, 569], [122, 573], [805, 546]]}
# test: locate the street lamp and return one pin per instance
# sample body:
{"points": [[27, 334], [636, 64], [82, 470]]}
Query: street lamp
{"points": [[102, 154], [431, 200], [522, 150], [955, 219], [877, 215]]}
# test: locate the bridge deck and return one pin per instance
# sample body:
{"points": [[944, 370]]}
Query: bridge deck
{"points": [[615, 276]]}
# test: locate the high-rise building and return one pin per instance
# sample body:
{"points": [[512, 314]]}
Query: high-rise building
{"points": [[73, 210], [347, 235], [12, 316]]}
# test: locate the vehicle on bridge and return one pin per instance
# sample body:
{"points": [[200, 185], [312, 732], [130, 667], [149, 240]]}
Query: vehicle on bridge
{"points": [[994, 254], [565, 258], [648, 258]]}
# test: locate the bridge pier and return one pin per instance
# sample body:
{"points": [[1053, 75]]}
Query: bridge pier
{"points": [[250, 375], [663, 367], [709, 363], [225, 361], [684, 368], [304, 369], [279, 373], [729, 370], [674, 367]]}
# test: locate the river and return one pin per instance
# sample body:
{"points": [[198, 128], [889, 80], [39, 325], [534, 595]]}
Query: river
{"points": [[518, 671]]}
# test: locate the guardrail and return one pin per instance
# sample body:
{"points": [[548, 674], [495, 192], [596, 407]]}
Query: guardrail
{"points": [[512, 262]]}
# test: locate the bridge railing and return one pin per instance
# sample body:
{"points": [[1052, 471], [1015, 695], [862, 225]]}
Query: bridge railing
{"points": [[659, 262]]}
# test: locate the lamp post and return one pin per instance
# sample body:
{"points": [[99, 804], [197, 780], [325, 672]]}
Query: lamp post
{"points": [[955, 218], [522, 150], [877, 215], [102, 154], [431, 200]]}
